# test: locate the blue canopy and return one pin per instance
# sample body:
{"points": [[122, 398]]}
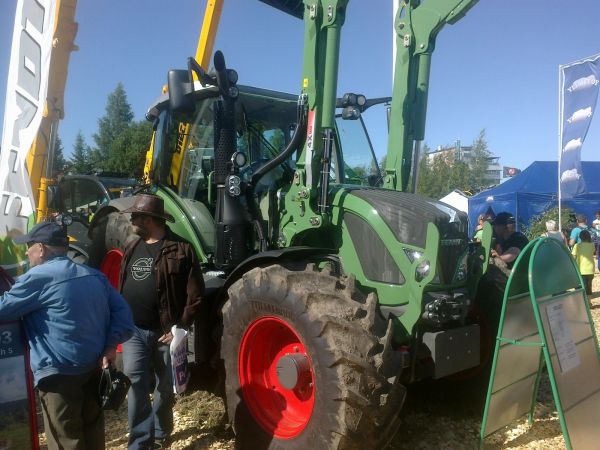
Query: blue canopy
{"points": [[534, 191]]}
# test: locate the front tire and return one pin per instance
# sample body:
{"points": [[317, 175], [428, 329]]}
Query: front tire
{"points": [[308, 363]]}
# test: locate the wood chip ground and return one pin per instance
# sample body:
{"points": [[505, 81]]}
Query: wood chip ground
{"points": [[431, 420]]}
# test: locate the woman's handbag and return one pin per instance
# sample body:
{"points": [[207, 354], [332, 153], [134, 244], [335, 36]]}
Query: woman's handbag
{"points": [[113, 388]]}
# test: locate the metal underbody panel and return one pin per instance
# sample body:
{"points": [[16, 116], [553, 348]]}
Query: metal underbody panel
{"points": [[453, 350]]}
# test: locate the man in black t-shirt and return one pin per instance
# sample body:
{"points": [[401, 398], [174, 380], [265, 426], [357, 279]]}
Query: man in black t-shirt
{"points": [[510, 242], [162, 282]]}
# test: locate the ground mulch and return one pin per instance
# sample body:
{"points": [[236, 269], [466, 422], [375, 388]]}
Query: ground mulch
{"points": [[431, 420]]}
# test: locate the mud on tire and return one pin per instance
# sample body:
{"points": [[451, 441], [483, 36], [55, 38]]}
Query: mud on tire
{"points": [[356, 393]]}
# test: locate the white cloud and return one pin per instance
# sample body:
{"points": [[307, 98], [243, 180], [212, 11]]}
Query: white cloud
{"points": [[580, 114], [583, 83], [570, 175], [573, 144]]}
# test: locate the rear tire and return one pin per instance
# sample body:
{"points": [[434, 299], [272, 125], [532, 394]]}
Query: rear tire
{"points": [[109, 237], [347, 396]]}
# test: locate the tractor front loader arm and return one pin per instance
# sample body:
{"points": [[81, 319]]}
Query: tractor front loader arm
{"points": [[417, 25]]}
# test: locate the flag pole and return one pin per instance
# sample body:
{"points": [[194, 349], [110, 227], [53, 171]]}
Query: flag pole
{"points": [[560, 114]]}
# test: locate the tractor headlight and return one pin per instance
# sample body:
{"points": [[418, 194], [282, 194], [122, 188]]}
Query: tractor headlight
{"points": [[422, 270], [412, 255]]}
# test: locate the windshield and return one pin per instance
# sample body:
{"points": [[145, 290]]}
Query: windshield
{"points": [[265, 120], [360, 165], [184, 151]]}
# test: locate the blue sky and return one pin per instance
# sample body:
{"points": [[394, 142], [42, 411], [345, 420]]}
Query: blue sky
{"points": [[497, 68]]}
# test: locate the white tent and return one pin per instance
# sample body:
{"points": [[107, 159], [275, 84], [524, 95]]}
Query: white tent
{"points": [[458, 199]]}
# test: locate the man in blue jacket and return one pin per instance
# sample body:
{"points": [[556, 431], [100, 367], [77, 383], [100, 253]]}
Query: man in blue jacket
{"points": [[73, 320]]}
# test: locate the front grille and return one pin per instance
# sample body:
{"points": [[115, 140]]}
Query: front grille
{"points": [[374, 257]]}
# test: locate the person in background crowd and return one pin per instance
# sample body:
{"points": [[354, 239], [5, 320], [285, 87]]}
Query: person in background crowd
{"points": [[596, 222], [583, 252], [479, 228], [552, 232], [74, 321], [162, 282], [596, 226], [581, 225], [510, 242]]}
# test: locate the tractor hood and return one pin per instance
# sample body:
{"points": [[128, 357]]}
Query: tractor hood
{"points": [[407, 215]]}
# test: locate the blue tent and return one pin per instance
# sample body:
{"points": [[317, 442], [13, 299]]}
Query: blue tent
{"points": [[534, 191]]}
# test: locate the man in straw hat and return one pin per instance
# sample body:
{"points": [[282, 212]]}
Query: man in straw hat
{"points": [[73, 320], [162, 282]]}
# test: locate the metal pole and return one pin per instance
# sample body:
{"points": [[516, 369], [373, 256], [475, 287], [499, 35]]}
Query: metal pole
{"points": [[415, 170], [560, 115]]}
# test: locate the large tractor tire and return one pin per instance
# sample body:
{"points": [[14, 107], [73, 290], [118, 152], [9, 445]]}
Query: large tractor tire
{"points": [[109, 237], [308, 363]]}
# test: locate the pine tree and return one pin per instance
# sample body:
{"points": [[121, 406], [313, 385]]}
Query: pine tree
{"points": [[117, 119], [479, 163], [129, 149], [58, 157], [80, 160]]}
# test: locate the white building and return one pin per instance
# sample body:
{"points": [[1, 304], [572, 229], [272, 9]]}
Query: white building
{"points": [[463, 153]]}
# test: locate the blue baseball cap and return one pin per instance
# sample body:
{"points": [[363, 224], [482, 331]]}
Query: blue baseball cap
{"points": [[49, 233]]}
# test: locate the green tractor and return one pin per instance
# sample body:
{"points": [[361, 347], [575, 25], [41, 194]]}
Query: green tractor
{"points": [[329, 288]]}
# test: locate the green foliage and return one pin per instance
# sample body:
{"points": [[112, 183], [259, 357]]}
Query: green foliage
{"points": [[537, 224], [81, 159], [117, 119], [443, 173], [479, 164], [58, 161], [128, 150]]}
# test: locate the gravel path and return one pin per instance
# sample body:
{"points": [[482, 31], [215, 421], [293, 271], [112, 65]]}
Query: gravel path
{"points": [[431, 420]]}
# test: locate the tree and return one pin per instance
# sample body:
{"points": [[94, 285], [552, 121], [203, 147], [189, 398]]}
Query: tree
{"points": [[128, 150], [537, 224], [58, 157], [441, 174], [117, 118], [479, 163], [81, 158]]}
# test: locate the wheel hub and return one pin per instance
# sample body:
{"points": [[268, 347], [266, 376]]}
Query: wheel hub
{"points": [[276, 377], [293, 371]]}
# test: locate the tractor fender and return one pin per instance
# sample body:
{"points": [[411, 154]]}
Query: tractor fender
{"points": [[300, 253]]}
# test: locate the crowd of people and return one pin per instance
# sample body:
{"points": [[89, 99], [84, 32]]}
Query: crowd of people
{"points": [[583, 241], [74, 320]]}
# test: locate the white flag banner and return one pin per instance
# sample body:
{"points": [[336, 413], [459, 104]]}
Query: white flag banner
{"points": [[579, 85], [26, 93]]}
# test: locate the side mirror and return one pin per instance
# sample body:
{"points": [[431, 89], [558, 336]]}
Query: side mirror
{"points": [[180, 86], [54, 198]]}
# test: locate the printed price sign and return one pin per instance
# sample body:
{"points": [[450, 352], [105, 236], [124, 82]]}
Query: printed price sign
{"points": [[566, 350], [18, 428]]}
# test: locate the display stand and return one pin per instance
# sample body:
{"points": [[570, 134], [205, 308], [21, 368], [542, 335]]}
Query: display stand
{"points": [[546, 321], [18, 424]]}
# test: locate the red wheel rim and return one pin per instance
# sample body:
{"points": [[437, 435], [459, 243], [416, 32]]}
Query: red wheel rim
{"points": [[280, 411], [111, 266]]}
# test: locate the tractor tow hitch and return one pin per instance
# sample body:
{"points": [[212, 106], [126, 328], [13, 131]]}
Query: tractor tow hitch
{"points": [[446, 308]]}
